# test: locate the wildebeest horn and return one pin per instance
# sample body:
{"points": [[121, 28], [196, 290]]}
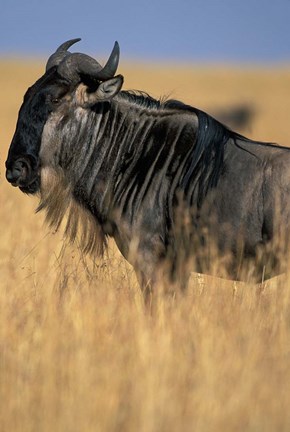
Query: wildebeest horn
{"points": [[75, 65], [110, 68], [62, 51]]}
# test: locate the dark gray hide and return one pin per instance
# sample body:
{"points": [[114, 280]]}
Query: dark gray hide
{"points": [[175, 188]]}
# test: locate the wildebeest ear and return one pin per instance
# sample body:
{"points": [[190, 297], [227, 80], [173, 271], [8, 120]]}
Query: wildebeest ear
{"points": [[105, 91]]}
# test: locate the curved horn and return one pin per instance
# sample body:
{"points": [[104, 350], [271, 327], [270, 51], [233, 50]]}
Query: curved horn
{"points": [[62, 51], [77, 64], [111, 66]]}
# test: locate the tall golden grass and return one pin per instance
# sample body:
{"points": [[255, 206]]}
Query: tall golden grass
{"points": [[78, 350]]}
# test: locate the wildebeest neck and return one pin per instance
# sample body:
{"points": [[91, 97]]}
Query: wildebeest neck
{"points": [[109, 151]]}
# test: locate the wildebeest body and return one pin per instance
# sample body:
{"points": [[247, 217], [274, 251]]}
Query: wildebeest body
{"points": [[168, 182]]}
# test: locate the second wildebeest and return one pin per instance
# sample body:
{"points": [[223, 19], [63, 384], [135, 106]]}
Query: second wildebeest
{"points": [[168, 182], [238, 117]]}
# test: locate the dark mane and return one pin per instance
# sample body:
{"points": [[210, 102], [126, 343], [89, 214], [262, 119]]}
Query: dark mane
{"points": [[141, 98], [175, 104], [205, 157]]}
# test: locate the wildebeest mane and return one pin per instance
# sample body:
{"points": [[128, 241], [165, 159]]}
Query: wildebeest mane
{"points": [[205, 156], [141, 98], [206, 163]]}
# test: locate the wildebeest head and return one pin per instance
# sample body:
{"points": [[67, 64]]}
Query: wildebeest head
{"points": [[70, 78]]}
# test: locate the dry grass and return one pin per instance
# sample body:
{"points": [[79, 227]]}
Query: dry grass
{"points": [[78, 351]]}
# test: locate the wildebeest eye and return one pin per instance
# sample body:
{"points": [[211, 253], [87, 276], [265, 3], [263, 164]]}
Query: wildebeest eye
{"points": [[53, 100]]}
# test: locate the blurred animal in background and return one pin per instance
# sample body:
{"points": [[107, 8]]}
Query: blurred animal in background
{"points": [[174, 187], [237, 117]]}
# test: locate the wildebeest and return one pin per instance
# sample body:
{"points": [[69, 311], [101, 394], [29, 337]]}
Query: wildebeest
{"points": [[168, 182]]}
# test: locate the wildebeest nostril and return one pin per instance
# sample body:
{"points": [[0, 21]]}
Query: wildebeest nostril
{"points": [[9, 175], [19, 172]]}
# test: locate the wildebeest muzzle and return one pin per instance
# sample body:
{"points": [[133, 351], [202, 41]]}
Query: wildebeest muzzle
{"points": [[23, 173]]}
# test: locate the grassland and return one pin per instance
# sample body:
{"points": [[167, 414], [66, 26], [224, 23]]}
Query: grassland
{"points": [[78, 350]]}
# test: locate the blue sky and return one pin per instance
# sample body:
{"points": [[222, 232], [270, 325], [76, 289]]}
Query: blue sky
{"points": [[235, 31]]}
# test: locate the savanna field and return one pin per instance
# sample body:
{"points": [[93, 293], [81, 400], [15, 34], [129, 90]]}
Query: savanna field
{"points": [[78, 349]]}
